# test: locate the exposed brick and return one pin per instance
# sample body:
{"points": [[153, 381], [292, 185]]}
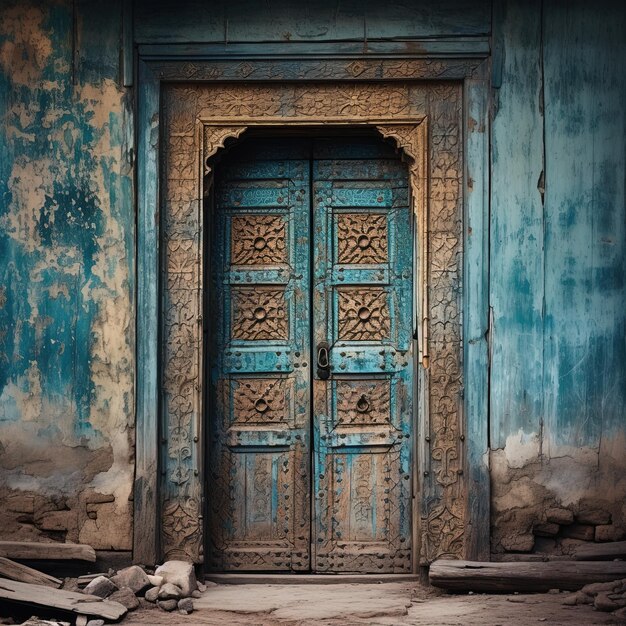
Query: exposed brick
{"points": [[546, 530], [559, 516], [608, 532]]}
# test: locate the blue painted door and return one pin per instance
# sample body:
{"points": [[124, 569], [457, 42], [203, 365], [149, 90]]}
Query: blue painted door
{"points": [[311, 367]]}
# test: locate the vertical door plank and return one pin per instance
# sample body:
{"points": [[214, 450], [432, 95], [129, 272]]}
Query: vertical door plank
{"points": [[362, 311], [259, 416]]}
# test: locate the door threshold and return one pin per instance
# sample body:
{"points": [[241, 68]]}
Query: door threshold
{"points": [[309, 579]]}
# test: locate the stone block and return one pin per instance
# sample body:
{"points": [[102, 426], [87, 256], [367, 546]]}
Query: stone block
{"points": [[125, 597], [152, 594], [167, 605], [132, 577], [180, 573], [595, 517], [608, 532], [185, 605], [559, 516], [546, 530], [169, 591], [518, 543], [101, 586], [584, 532]]}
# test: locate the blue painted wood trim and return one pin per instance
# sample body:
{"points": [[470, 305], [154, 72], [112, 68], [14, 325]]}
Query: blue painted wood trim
{"points": [[127, 43], [457, 47], [145, 535], [476, 316]]}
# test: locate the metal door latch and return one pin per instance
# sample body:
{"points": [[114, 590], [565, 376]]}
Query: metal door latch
{"points": [[323, 361]]}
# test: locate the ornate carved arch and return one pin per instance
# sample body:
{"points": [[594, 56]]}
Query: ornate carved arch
{"points": [[199, 120]]}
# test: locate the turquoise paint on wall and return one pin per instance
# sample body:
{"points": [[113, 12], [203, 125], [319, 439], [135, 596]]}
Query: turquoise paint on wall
{"points": [[66, 245]]}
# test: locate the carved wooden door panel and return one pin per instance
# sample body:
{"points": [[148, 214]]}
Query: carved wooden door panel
{"points": [[259, 451], [363, 331], [312, 393]]}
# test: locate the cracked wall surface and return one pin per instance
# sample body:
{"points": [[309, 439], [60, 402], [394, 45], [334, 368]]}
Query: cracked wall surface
{"points": [[66, 308]]}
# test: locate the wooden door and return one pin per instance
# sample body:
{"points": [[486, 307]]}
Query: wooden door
{"points": [[259, 451], [310, 420], [363, 402]]}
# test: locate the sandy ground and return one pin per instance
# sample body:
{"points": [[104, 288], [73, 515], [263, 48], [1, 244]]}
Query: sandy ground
{"points": [[384, 604]]}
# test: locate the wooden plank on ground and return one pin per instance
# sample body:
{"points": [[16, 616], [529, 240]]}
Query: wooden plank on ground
{"points": [[34, 551], [17, 571], [509, 577], [601, 551], [79, 603]]}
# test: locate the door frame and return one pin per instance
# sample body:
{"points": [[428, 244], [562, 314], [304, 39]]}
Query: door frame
{"points": [[452, 60]]}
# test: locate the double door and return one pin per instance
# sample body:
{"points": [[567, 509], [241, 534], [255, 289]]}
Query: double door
{"points": [[311, 397]]}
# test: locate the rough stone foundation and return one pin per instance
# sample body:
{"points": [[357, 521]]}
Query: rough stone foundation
{"points": [[550, 499]]}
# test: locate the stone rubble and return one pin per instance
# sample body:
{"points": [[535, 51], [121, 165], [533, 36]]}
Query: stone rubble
{"points": [[171, 586], [609, 597]]}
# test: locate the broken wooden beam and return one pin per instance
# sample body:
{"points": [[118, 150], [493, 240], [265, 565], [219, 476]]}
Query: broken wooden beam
{"points": [[35, 551], [601, 551], [522, 577], [61, 599], [22, 573]]}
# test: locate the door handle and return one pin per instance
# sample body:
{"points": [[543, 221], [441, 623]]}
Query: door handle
{"points": [[323, 361]]}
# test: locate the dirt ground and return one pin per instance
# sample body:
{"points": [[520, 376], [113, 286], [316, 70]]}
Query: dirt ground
{"points": [[384, 604]]}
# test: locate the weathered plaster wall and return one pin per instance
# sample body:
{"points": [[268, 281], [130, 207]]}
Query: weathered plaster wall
{"points": [[557, 289], [66, 305]]}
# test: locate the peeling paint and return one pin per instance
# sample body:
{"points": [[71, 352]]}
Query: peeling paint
{"points": [[66, 324], [527, 481]]}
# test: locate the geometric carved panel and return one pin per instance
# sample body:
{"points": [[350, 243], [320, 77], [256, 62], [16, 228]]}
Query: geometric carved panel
{"points": [[259, 401], [259, 313], [363, 402], [362, 238], [258, 240], [363, 314]]}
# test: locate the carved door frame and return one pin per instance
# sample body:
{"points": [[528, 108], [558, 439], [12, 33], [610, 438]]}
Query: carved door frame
{"points": [[453, 506]]}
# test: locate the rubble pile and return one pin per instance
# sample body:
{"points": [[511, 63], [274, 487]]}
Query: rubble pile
{"points": [[172, 586], [609, 597]]}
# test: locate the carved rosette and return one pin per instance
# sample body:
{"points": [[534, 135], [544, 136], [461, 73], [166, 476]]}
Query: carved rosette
{"points": [[363, 314], [363, 402], [258, 240], [260, 401], [362, 238], [418, 117], [259, 313]]}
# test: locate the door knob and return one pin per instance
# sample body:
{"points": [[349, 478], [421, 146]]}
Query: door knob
{"points": [[323, 361]]}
